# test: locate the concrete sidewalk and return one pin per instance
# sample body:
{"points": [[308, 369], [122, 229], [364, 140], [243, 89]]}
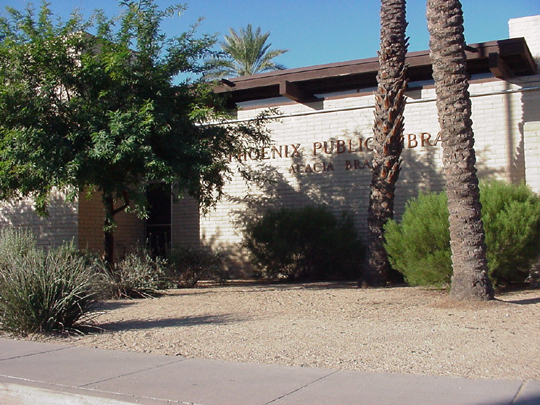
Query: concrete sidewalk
{"points": [[43, 373]]}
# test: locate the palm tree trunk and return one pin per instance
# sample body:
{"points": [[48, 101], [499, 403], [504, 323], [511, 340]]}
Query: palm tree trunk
{"points": [[470, 272], [387, 140]]}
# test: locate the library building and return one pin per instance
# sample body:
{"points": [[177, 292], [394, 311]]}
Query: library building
{"points": [[321, 148]]}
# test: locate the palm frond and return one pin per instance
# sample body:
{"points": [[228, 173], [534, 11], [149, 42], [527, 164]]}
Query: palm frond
{"points": [[247, 54]]}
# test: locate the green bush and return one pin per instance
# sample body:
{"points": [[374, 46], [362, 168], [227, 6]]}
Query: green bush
{"points": [[188, 265], [43, 291], [139, 275], [511, 216], [419, 246], [306, 243]]}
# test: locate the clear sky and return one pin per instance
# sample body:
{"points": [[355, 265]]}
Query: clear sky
{"points": [[317, 31]]}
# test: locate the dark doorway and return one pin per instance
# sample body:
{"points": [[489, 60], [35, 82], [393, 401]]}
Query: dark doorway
{"points": [[158, 224]]}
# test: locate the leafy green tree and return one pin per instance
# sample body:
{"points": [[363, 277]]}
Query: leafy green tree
{"points": [[247, 53], [109, 113]]}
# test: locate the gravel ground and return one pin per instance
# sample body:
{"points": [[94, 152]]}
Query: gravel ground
{"points": [[337, 326]]}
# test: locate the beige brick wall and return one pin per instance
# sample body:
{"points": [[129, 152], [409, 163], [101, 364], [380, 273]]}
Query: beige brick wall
{"points": [[130, 230], [60, 226], [185, 222], [90, 223], [532, 154], [80, 221]]}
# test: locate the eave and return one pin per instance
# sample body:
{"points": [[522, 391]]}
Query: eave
{"points": [[504, 59]]}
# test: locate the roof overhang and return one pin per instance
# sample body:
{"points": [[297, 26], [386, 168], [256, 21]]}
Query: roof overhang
{"points": [[504, 59]]}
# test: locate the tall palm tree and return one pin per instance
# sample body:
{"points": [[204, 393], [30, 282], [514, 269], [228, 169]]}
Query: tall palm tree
{"points": [[470, 272], [247, 54], [387, 139]]}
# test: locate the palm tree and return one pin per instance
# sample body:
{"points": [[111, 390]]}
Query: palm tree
{"points": [[247, 54], [470, 272], [387, 139]]}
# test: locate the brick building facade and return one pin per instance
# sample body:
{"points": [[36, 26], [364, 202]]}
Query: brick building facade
{"points": [[321, 145]]}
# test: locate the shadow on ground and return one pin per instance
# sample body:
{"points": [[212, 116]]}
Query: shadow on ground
{"points": [[530, 301], [171, 322]]}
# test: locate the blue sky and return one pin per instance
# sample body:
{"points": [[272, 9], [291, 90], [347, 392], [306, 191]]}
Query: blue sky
{"points": [[318, 31]]}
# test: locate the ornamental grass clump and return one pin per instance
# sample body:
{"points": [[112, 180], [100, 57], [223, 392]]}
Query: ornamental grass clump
{"points": [[419, 245], [44, 291], [138, 275]]}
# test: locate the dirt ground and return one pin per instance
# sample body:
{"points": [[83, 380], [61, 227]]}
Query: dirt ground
{"points": [[337, 326]]}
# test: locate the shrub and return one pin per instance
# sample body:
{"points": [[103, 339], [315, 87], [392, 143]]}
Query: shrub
{"points": [[188, 265], [139, 275], [419, 246], [511, 215], [44, 291], [306, 243]]}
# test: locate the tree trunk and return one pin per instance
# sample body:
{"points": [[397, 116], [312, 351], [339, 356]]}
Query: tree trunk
{"points": [[108, 235], [387, 140], [109, 225], [470, 272]]}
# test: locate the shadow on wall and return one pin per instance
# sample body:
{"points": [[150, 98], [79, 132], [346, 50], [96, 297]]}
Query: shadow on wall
{"points": [[515, 165], [345, 188], [59, 227], [340, 182], [484, 172], [531, 113]]}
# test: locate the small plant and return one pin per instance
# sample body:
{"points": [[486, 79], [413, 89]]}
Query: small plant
{"points": [[139, 275], [419, 246], [188, 265], [306, 243], [44, 291]]}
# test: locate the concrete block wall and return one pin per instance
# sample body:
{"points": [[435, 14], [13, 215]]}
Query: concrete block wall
{"points": [[529, 28], [185, 222], [129, 233], [320, 158], [59, 227], [90, 223], [80, 221], [532, 154]]}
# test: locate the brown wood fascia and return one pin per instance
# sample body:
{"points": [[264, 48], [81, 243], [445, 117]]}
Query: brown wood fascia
{"points": [[302, 84], [498, 66]]}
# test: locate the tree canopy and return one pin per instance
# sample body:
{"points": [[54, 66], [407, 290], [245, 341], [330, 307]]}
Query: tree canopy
{"points": [[246, 53], [99, 105]]}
